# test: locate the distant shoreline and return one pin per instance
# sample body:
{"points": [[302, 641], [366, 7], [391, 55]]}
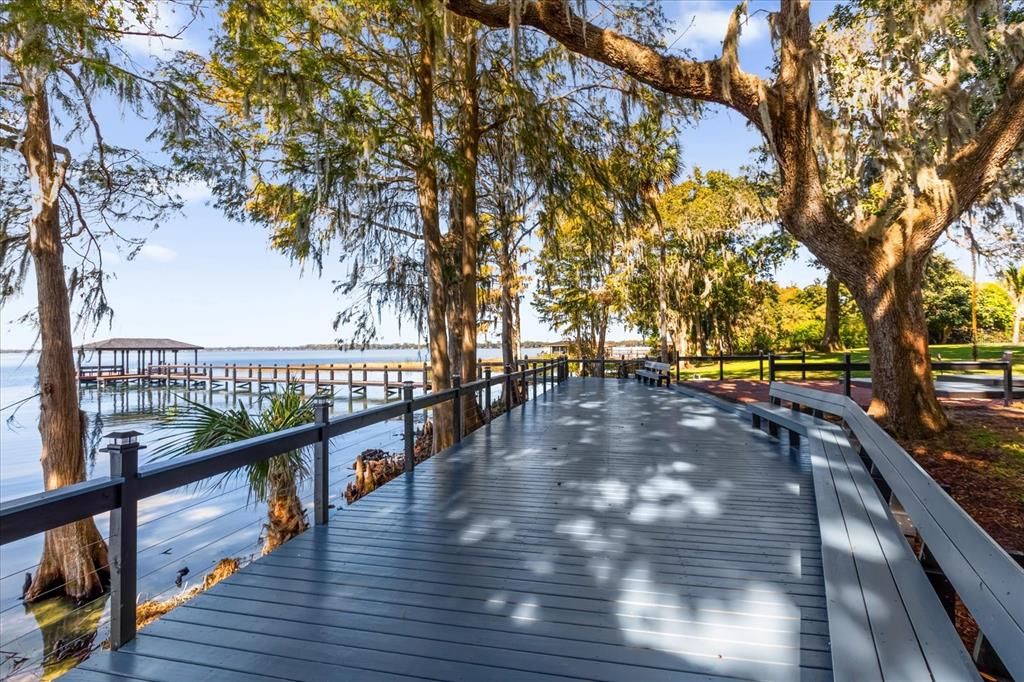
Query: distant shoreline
{"points": [[382, 346]]}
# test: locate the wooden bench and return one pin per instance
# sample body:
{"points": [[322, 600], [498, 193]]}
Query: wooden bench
{"points": [[655, 373], [885, 619]]}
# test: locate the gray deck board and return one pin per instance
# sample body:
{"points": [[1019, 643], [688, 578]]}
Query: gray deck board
{"points": [[613, 531]]}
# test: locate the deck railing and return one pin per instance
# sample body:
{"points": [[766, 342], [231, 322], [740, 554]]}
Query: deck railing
{"points": [[771, 365], [119, 493]]}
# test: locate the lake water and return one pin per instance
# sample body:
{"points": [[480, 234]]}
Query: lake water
{"points": [[186, 528]]}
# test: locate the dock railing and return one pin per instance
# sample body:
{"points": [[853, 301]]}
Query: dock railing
{"points": [[128, 483]]}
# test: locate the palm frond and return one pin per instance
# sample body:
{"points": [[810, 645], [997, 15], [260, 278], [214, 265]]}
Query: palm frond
{"points": [[195, 427]]}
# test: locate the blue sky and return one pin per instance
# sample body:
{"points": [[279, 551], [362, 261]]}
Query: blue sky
{"points": [[205, 279]]}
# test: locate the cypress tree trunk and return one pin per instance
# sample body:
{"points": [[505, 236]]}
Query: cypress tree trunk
{"points": [[74, 556], [426, 186], [469, 148], [831, 341]]}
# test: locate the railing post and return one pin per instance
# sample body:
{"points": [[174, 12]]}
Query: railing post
{"points": [[1007, 377], [524, 386], [124, 531], [679, 370], [457, 411], [508, 388], [771, 367], [321, 461], [534, 377], [803, 365], [721, 366], [487, 393], [410, 443], [760, 365], [847, 373]]}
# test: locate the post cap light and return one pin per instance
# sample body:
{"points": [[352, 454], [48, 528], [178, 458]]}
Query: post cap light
{"points": [[121, 439]]}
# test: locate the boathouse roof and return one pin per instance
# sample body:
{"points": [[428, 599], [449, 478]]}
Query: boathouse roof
{"points": [[139, 344]]}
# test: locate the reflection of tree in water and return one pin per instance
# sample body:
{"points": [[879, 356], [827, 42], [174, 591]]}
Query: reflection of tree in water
{"points": [[69, 631], [94, 436]]}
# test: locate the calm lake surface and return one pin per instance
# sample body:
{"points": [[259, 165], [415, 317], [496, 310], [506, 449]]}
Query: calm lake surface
{"points": [[189, 528]]}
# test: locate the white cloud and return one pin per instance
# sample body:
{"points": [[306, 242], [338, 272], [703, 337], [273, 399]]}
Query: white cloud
{"points": [[194, 190], [163, 21], [700, 26], [157, 253]]}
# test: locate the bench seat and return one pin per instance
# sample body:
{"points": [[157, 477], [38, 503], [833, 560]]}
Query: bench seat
{"points": [[655, 373], [796, 423], [885, 620]]}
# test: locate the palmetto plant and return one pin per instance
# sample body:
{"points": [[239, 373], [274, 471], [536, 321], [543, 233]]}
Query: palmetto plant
{"points": [[1013, 277], [274, 480]]}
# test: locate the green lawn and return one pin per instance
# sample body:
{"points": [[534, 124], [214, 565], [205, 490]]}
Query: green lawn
{"points": [[749, 369]]}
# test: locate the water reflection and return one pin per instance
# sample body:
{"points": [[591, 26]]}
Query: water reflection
{"points": [[190, 527]]}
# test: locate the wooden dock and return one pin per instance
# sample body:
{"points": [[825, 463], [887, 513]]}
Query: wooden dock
{"points": [[605, 531], [321, 379]]}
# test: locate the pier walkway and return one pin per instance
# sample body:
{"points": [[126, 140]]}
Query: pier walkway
{"points": [[610, 532]]}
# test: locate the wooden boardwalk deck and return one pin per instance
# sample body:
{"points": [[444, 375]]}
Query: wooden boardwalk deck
{"points": [[614, 532]]}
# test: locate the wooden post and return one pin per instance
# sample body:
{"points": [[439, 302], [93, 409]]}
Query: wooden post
{"points": [[721, 366], [771, 366], [508, 388], [385, 380], [803, 366], [847, 373], [350, 378], [534, 380], [487, 393], [1007, 377], [457, 409], [124, 463], [760, 365], [321, 462], [410, 443], [424, 377]]}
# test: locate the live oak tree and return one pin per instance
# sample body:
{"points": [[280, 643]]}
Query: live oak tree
{"points": [[66, 190], [886, 124], [719, 251]]}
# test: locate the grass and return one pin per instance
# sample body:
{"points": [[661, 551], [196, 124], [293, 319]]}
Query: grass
{"points": [[750, 369], [1008, 451]]}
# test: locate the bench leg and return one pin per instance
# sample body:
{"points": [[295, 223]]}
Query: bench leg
{"points": [[755, 421], [773, 429], [794, 439]]}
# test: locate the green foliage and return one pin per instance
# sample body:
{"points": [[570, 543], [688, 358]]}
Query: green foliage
{"points": [[76, 48], [198, 427], [947, 305], [712, 246]]}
